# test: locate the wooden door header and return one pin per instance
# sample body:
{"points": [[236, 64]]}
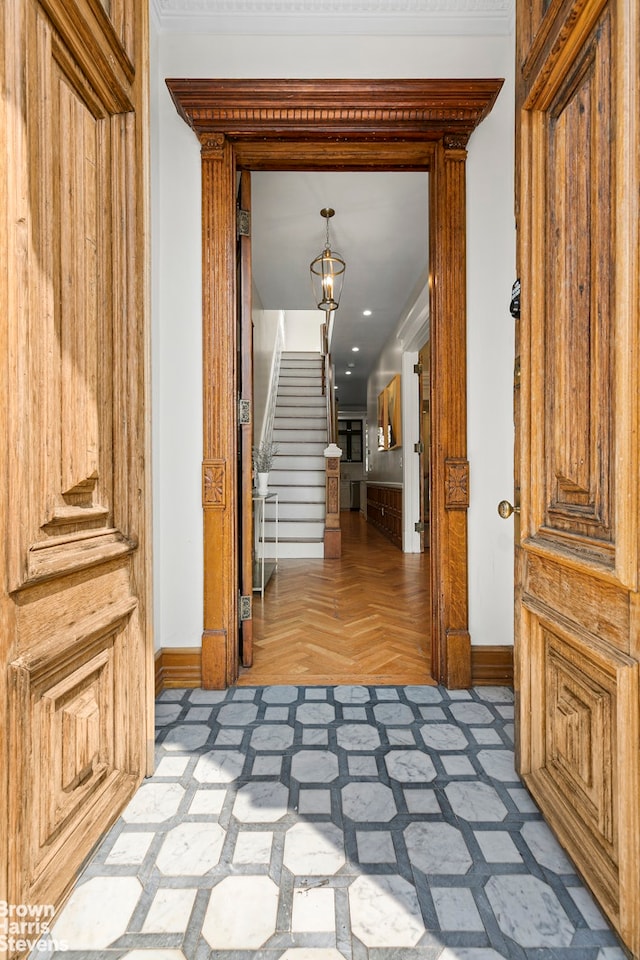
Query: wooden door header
{"points": [[317, 110]]}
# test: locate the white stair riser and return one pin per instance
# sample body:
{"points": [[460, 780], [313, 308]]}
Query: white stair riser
{"points": [[290, 380], [313, 434], [297, 477], [295, 529], [313, 367], [299, 463], [313, 448], [301, 494], [302, 422], [296, 551], [300, 390], [288, 403], [291, 355], [304, 510]]}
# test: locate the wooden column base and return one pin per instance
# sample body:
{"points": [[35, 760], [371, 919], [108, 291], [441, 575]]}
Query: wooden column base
{"points": [[182, 667], [214, 660], [332, 544], [457, 660]]}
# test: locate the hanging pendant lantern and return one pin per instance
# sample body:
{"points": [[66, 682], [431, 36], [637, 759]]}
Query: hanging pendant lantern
{"points": [[327, 272]]}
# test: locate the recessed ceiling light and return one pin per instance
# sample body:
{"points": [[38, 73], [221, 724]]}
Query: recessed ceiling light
{"points": [[366, 313], [348, 373], [355, 349]]}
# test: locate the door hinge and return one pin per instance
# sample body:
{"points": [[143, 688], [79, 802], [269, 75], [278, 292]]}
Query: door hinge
{"points": [[243, 223], [244, 608], [418, 447], [419, 526], [417, 368], [244, 411]]}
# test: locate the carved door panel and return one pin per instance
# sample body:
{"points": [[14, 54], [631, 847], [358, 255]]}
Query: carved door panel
{"points": [[577, 651], [78, 723]]}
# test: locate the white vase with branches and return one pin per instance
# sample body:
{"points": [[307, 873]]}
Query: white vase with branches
{"points": [[262, 462]]}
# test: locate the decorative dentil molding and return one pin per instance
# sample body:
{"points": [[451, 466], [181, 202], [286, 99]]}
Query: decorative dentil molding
{"points": [[378, 109], [348, 17]]}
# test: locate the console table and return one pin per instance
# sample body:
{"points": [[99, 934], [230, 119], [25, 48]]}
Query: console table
{"points": [[263, 568]]}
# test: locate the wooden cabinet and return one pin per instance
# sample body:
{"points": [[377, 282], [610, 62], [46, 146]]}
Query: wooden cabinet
{"points": [[384, 511]]}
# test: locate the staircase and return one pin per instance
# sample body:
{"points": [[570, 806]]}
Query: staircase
{"points": [[298, 472]]}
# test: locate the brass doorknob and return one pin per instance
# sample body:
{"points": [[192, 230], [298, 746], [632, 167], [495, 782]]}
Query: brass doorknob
{"points": [[505, 509]]}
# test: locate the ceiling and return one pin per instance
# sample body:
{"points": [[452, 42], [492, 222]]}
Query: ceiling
{"points": [[329, 17], [380, 228]]}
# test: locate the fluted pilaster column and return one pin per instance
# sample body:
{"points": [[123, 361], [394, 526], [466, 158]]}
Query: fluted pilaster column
{"points": [[219, 495], [450, 468]]}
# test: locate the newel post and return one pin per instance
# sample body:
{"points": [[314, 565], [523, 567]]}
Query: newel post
{"points": [[332, 532]]}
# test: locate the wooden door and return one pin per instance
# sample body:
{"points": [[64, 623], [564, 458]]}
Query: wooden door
{"points": [[75, 709], [424, 393], [579, 644], [245, 419]]}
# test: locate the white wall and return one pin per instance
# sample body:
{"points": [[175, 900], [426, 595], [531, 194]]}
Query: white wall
{"points": [[156, 356], [176, 297], [302, 330], [268, 330]]}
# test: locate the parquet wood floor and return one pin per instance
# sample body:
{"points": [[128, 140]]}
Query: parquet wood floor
{"points": [[362, 619]]}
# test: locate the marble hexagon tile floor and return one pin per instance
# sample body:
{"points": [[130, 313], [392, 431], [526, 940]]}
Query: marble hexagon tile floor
{"points": [[332, 823]]}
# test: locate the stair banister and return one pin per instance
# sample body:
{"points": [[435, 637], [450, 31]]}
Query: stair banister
{"points": [[266, 433], [332, 454]]}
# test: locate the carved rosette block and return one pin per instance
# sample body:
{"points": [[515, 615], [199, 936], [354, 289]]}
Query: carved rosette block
{"points": [[213, 483], [456, 483]]}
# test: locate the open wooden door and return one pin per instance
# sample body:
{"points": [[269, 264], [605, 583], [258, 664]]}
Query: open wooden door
{"points": [[578, 647], [424, 403], [245, 420], [76, 722]]}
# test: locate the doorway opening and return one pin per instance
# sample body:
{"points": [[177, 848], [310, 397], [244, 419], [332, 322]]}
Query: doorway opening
{"points": [[351, 125], [311, 617]]}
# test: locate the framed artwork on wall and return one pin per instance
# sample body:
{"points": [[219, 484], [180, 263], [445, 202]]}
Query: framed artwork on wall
{"points": [[382, 421], [393, 405]]}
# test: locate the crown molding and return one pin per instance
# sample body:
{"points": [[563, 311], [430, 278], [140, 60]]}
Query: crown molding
{"points": [[418, 110], [335, 17], [413, 329]]}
